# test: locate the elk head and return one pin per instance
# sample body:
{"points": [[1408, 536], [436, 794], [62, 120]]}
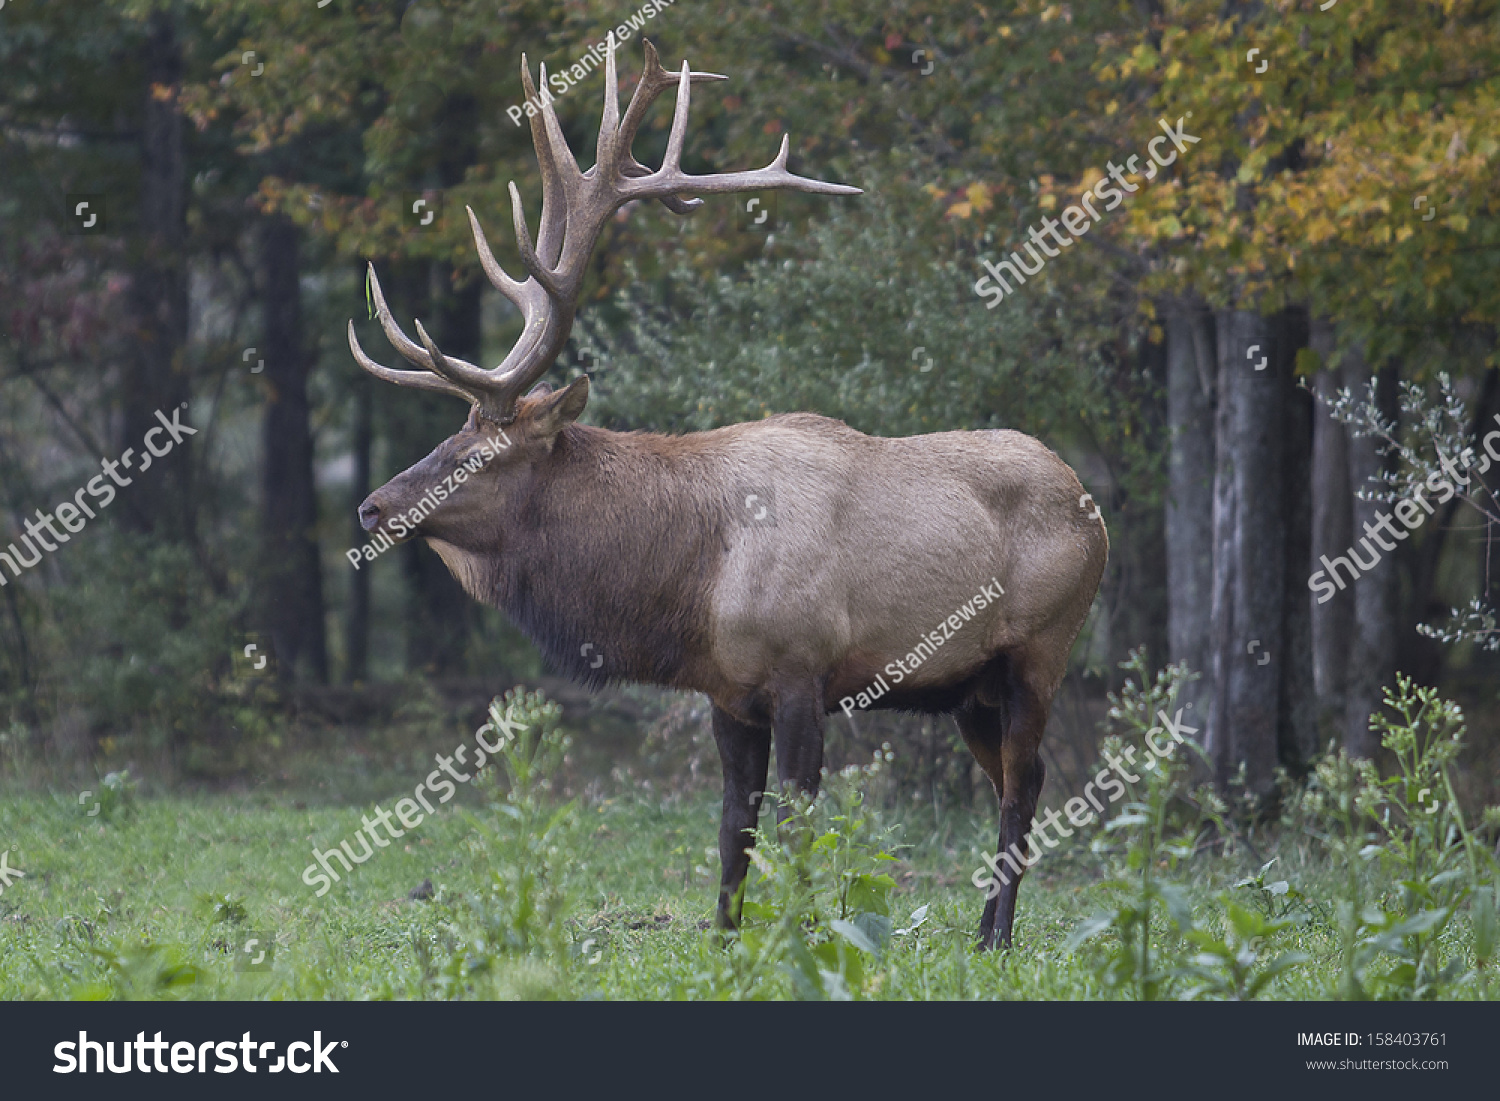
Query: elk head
{"points": [[575, 206]]}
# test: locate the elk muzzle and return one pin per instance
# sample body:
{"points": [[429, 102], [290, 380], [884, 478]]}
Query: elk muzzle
{"points": [[369, 514]]}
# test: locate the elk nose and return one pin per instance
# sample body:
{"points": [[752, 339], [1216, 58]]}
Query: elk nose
{"points": [[369, 516]]}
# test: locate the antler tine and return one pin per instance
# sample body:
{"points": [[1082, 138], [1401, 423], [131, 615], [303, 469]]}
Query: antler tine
{"points": [[410, 350], [675, 203], [460, 372], [654, 81], [774, 175], [606, 151], [540, 272], [463, 375], [416, 380], [558, 185], [672, 161], [498, 277]]}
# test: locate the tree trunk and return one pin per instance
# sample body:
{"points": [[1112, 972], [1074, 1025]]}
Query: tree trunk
{"points": [[292, 594], [1249, 535], [357, 625], [1139, 548], [155, 379], [1372, 650], [1297, 724], [1332, 520], [1191, 370]]}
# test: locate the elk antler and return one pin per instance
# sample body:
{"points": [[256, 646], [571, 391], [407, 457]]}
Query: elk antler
{"points": [[575, 206]]}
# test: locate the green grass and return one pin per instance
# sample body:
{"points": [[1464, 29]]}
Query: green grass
{"points": [[155, 902]]}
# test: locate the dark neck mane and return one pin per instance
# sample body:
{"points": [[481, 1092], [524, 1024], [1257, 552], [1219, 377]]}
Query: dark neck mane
{"points": [[607, 562]]}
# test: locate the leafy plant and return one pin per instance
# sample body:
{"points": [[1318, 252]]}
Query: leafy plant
{"points": [[139, 973], [821, 915], [1151, 838], [1226, 966], [515, 928], [116, 795], [223, 908], [1410, 827]]}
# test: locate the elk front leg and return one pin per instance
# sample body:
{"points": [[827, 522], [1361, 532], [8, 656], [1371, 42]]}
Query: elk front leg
{"points": [[798, 723], [745, 753]]}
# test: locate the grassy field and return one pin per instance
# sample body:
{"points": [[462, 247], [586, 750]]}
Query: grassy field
{"points": [[158, 903], [641, 883], [512, 891]]}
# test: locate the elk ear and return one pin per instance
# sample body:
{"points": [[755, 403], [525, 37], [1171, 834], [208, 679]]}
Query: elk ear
{"points": [[555, 411]]}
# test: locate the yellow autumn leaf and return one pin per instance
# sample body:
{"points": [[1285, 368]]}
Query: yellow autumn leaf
{"points": [[979, 197], [1319, 229]]}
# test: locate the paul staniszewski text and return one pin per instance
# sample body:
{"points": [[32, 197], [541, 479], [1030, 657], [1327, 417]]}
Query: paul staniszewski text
{"points": [[902, 668], [402, 525]]}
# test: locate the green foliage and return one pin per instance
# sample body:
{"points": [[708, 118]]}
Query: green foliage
{"points": [[116, 796], [1409, 824], [150, 972], [223, 909], [1150, 833], [1226, 967], [817, 916], [146, 637], [861, 319], [1403, 835], [631, 928], [510, 939]]}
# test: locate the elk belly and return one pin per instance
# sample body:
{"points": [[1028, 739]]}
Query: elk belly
{"points": [[863, 699]]}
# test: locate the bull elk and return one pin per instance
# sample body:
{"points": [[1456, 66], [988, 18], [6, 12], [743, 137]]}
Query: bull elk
{"points": [[633, 556]]}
